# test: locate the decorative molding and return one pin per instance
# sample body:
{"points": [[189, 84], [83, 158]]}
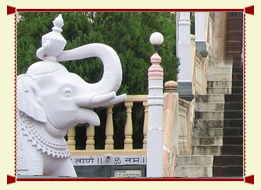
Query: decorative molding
{"points": [[250, 10], [10, 10], [51, 148]]}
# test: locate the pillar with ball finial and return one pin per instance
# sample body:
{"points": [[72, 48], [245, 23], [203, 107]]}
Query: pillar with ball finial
{"points": [[155, 111]]}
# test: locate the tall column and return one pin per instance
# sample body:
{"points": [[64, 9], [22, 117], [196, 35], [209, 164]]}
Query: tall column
{"points": [[155, 118], [201, 29], [184, 54]]}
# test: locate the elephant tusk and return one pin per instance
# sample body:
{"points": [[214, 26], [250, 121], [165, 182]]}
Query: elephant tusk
{"points": [[100, 99], [116, 100], [94, 100], [103, 100]]}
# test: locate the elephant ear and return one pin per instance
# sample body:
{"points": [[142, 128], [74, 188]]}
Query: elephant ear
{"points": [[28, 98]]}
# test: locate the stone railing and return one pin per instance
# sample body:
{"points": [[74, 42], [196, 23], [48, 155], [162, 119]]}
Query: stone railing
{"points": [[170, 128], [177, 130], [178, 117], [109, 133], [178, 124], [200, 73], [199, 70], [186, 115]]}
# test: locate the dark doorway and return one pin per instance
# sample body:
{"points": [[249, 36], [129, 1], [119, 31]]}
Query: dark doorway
{"points": [[234, 35]]}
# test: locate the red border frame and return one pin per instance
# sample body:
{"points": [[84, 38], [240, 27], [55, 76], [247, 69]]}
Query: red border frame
{"points": [[247, 10], [12, 10]]}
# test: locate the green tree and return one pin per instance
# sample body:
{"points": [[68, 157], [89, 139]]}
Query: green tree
{"points": [[127, 32]]}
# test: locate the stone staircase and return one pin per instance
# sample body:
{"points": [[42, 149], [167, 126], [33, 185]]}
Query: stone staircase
{"points": [[230, 162], [218, 133]]}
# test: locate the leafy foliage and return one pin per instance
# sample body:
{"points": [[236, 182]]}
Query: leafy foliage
{"points": [[126, 32]]}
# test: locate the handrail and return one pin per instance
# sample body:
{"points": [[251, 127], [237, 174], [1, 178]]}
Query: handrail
{"points": [[109, 132], [170, 128], [178, 125], [199, 70], [186, 116], [177, 130], [178, 116]]}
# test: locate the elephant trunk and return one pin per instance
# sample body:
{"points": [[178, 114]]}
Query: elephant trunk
{"points": [[112, 75]]}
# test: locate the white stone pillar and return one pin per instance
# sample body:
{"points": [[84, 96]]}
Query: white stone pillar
{"points": [[177, 33], [201, 28], [155, 118], [184, 54]]}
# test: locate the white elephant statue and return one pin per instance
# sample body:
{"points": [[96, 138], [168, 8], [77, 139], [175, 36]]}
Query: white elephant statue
{"points": [[51, 100]]}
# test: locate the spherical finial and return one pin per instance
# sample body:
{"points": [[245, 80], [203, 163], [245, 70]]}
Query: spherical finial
{"points": [[156, 38], [171, 86]]}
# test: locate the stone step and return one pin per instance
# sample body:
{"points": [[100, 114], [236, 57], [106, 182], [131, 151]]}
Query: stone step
{"points": [[218, 126], [219, 84], [237, 83], [235, 131], [203, 124], [234, 97], [237, 90], [220, 70], [237, 63], [234, 140], [195, 160], [213, 141], [210, 106], [206, 150], [220, 64], [233, 114], [228, 171], [218, 98], [233, 106], [193, 171], [218, 132], [232, 150], [237, 70], [221, 77], [237, 76], [217, 150], [234, 160], [213, 123], [233, 123], [219, 90], [213, 115], [207, 132]]}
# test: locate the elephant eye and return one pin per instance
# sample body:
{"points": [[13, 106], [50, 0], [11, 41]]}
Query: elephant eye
{"points": [[67, 92]]}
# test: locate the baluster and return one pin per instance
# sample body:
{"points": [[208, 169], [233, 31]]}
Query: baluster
{"points": [[128, 127], [145, 124], [109, 132], [71, 138], [90, 138]]}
